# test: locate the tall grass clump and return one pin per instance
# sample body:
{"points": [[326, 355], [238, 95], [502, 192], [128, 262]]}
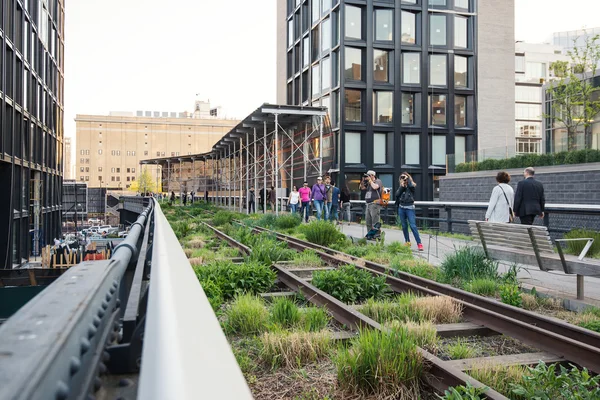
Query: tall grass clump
{"points": [[575, 247], [482, 286], [414, 267], [350, 284], [247, 314], [181, 229], [313, 319], [294, 349], [460, 349], [267, 221], [223, 217], [322, 233], [467, 264], [288, 221], [307, 258], [381, 363], [245, 236], [284, 312], [499, 377], [213, 292], [407, 307], [268, 251], [424, 333]]}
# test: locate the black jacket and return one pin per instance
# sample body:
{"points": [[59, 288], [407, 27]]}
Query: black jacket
{"points": [[405, 196], [529, 198]]}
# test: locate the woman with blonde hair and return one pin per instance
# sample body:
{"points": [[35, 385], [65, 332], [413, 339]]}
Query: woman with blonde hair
{"points": [[502, 200]]}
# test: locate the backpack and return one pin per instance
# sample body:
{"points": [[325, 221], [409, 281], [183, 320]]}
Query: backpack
{"points": [[384, 199]]}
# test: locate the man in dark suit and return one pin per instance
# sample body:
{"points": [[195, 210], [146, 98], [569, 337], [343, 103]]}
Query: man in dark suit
{"points": [[529, 198]]}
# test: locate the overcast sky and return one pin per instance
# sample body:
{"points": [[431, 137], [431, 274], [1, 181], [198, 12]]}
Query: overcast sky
{"points": [[128, 55]]}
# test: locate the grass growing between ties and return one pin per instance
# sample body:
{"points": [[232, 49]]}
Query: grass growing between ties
{"points": [[467, 264], [482, 286], [294, 349], [407, 307], [351, 285], [307, 258], [500, 377], [267, 250], [460, 349], [415, 267], [284, 312], [424, 333], [313, 319], [323, 233], [247, 314]]}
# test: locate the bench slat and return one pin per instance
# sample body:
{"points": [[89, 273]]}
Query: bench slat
{"points": [[544, 246], [512, 226], [514, 229], [541, 241], [516, 245]]}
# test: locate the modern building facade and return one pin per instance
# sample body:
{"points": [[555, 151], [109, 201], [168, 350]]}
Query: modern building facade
{"points": [[110, 148], [532, 71], [400, 80], [31, 126], [569, 40]]}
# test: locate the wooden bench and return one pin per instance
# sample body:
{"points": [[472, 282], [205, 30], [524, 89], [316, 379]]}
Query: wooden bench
{"points": [[532, 245]]}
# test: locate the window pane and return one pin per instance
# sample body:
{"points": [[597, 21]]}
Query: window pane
{"points": [[353, 69], [384, 25], [353, 22], [383, 104], [409, 27], [438, 70], [535, 70], [437, 2], [326, 6], [461, 4], [532, 94], [316, 80], [410, 1], [353, 148], [290, 32], [353, 105], [316, 12], [411, 68], [411, 150], [528, 129], [408, 101], [528, 111], [381, 68], [460, 111], [461, 74], [316, 43], [326, 35], [326, 73], [326, 102], [460, 32], [306, 52], [437, 30], [437, 109], [438, 150], [460, 146], [380, 148], [519, 64]]}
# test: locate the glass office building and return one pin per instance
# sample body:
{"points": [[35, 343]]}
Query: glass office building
{"points": [[398, 78], [31, 126]]}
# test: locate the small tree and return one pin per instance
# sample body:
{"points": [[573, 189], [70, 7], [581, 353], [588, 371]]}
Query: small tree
{"points": [[575, 102], [144, 183]]}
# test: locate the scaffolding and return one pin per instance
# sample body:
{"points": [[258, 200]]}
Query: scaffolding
{"points": [[273, 147]]}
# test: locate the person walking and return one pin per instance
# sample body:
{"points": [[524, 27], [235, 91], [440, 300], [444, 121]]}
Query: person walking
{"points": [[405, 201], [192, 194], [335, 202], [172, 198], [184, 198], [293, 200], [319, 195], [372, 186], [251, 201], [273, 199], [305, 196], [345, 204], [529, 198], [261, 195], [501, 201], [328, 197]]}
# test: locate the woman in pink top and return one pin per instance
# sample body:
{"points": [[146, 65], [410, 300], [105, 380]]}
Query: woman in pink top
{"points": [[305, 196]]}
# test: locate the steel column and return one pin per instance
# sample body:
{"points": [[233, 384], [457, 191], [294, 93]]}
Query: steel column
{"points": [[265, 170], [321, 145], [276, 155], [247, 172]]}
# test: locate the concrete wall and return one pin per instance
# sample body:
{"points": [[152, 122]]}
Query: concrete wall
{"points": [[565, 184], [496, 75], [281, 51]]}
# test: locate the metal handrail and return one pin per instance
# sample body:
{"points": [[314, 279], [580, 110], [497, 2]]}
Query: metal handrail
{"points": [[185, 354]]}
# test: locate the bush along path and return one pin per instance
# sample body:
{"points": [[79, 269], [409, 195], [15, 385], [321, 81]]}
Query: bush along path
{"points": [[288, 348]]}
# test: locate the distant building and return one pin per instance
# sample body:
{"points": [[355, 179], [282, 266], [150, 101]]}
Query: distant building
{"points": [[532, 70], [570, 39]]}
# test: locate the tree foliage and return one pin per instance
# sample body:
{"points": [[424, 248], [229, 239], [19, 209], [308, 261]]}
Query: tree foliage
{"points": [[144, 183]]}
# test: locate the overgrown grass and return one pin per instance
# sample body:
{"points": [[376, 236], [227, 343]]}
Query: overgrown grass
{"points": [[424, 333], [468, 263], [499, 377], [460, 349], [284, 312], [323, 233], [247, 314], [407, 307], [223, 217], [288, 221], [294, 349], [511, 294], [213, 293], [307, 258], [313, 319], [350, 284], [268, 250], [415, 267], [482, 286], [381, 363], [575, 247]]}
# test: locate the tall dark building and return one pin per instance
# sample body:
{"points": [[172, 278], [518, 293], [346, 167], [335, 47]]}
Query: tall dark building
{"points": [[31, 126], [399, 79]]}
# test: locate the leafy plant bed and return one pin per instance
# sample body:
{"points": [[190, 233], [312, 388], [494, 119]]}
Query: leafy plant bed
{"points": [[474, 347]]}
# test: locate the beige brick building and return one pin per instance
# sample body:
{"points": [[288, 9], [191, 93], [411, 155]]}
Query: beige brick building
{"points": [[110, 148], [68, 165]]}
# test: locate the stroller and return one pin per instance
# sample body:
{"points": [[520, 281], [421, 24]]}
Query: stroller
{"points": [[374, 233]]}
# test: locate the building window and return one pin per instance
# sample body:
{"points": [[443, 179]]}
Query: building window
{"points": [[381, 67], [353, 105], [290, 32], [520, 64], [87, 152], [128, 170], [380, 148], [438, 150], [383, 106], [326, 6], [437, 2], [528, 146], [353, 68], [100, 151], [87, 178], [437, 109], [409, 27], [158, 154], [87, 169], [464, 4], [460, 111], [353, 148], [528, 129], [81, 169], [316, 10], [162, 154], [437, 29], [82, 152], [408, 101], [112, 178], [128, 179], [460, 32], [99, 169], [118, 170], [316, 80], [528, 111], [145, 153], [460, 147], [326, 74], [535, 70], [99, 178], [461, 71], [529, 94], [133, 170], [133, 178], [112, 170], [118, 179], [411, 68], [438, 70], [305, 52], [353, 22], [133, 153], [411, 150], [384, 24], [326, 35]]}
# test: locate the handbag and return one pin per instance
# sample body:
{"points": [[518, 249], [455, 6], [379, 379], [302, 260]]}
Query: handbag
{"points": [[511, 213]]}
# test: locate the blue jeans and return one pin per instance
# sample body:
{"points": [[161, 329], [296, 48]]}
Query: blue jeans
{"points": [[327, 211], [334, 211], [305, 210], [407, 216], [293, 208], [319, 206]]}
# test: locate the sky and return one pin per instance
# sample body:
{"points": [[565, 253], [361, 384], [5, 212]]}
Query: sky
{"points": [[156, 55]]}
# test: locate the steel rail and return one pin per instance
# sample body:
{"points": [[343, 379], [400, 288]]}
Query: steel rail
{"points": [[245, 249], [579, 352]]}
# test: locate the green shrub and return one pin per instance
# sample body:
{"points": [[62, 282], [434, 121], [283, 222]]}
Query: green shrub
{"points": [[415, 267], [380, 362], [468, 263], [575, 247], [482, 286], [313, 319], [223, 217], [322, 233], [268, 250], [245, 236], [591, 325], [213, 292], [350, 284], [288, 221], [284, 312], [511, 294], [233, 279], [267, 221], [181, 229], [468, 392], [247, 314]]}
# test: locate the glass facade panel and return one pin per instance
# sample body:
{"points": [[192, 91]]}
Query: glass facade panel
{"points": [[528, 111], [460, 32], [290, 32], [326, 35], [383, 107], [409, 27], [460, 111], [305, 52], [535, 70], [326, 6], [438, 70], [530, 94], [437, 30], [464, 4], [411, 68], [438, 150], [528, 129], [411, 150], [437, 109], [316, 80], [461, 72], [316, 10], [353, 105], [380, 148], [353, 67], [326, 74], [381, 67], [353, 148], [519, 64], [408, 111], [384, 24], [437, 2], [353, 22], [460, 146]]}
